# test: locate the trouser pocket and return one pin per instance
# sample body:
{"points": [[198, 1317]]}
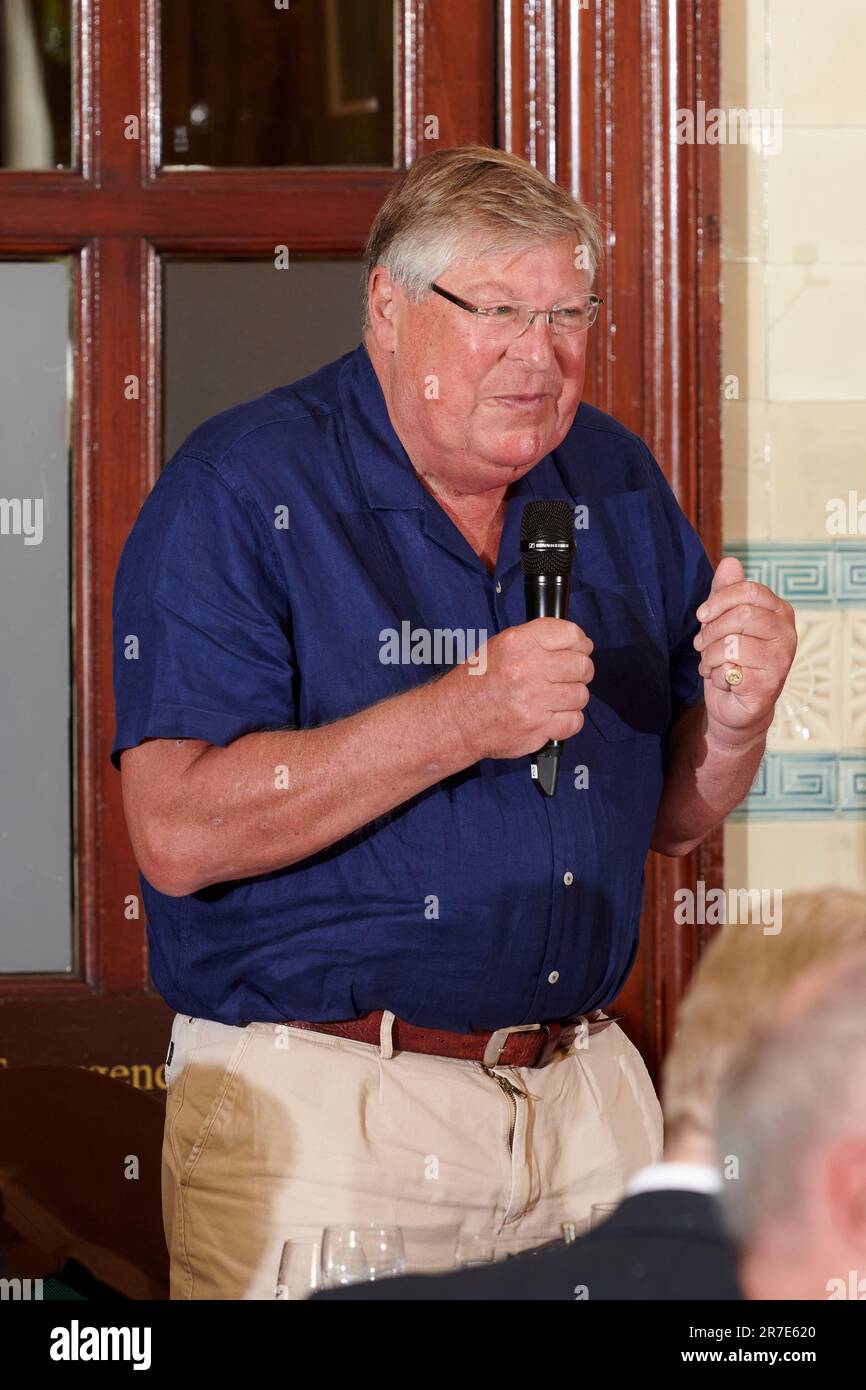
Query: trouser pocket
{"points": [[204, 1066]]}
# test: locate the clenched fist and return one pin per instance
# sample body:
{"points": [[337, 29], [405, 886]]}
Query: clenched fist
{"points": [[535, 687]]}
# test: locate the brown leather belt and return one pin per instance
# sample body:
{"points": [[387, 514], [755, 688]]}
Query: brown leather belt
{"points": [[526, 1045]]}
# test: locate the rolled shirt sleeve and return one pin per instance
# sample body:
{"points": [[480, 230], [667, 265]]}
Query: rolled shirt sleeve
{"points": [[202, 644]]}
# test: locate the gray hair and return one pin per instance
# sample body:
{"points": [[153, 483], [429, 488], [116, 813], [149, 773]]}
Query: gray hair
{"points": [[476, 201], [739, 980], [801, 1085]]}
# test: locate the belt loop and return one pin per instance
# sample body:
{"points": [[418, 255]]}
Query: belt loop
{"points": [[386, 1043]]}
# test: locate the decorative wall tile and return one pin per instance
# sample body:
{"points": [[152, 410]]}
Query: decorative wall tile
{"points": [[851, 573], [852, 784], [810, 573], [809, 710], [807, 786], [793, 784], [801, 288], [852, 694], [802, 574], [805, 781], [825, 694]]}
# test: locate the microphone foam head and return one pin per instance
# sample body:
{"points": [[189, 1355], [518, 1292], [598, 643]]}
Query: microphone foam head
{"points": [[547, 537]]}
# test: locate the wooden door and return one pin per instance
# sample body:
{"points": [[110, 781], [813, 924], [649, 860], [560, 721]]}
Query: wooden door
{"points": [[588, 91]]}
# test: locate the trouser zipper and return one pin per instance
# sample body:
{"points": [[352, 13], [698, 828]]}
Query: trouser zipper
{"points": [[511, 1092]]}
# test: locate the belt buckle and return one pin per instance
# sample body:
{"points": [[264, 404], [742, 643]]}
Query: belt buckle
{"points": [[496, 1042]]}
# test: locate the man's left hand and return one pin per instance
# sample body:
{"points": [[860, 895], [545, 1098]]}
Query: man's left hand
{"points": [[745, 628]]}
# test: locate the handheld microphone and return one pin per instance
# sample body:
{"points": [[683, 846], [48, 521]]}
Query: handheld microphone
{"points": [[547, 554]]}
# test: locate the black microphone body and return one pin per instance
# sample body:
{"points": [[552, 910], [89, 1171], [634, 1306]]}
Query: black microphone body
{"points": [[546, 595], [547, 554]]}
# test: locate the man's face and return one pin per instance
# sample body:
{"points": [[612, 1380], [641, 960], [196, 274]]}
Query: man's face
{"points": [[483, 409]]}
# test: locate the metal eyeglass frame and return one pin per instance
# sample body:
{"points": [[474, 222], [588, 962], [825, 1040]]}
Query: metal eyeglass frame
{"points": [[594, 300]]}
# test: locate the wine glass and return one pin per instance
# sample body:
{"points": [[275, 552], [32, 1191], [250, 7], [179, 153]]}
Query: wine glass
{"points": [[429, 1249], [474, 1250], [599, 1213], [357, 1254], [300, 1270]]}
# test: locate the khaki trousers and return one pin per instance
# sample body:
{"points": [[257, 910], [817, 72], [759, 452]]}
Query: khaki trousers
{"points": [[272, 1134]]}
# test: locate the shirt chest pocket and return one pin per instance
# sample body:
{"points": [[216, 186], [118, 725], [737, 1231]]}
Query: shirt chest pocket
{"points": [[630, 692]]}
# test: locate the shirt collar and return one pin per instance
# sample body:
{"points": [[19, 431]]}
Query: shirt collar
{"points": [[385, 472], [683, 1177], [388, 480]]}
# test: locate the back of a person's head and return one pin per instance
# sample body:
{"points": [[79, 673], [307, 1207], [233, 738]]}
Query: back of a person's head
{"points": [[736, 986], [791, 1117]]}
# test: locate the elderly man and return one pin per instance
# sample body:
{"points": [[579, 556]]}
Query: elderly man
{"points": [[388, 955], [792, 1137]]}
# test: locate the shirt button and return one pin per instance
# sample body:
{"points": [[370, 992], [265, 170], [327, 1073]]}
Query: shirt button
{"points": [[568, 878], [553, 977], [498, 587]]}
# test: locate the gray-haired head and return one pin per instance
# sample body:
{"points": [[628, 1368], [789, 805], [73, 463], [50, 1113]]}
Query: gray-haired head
{"points": [[799, 1088], [472, 201]]}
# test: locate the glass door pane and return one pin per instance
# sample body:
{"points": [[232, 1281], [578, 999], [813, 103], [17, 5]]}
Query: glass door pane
{"points": [[36, 42], [35, 685], [251, 83], [234, 329]]}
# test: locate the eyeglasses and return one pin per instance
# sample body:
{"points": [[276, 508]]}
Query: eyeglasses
{"points": [[506, 321]]}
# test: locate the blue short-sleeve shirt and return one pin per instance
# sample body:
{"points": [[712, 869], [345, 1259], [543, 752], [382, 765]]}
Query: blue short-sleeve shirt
{"points": [[282, 574]]}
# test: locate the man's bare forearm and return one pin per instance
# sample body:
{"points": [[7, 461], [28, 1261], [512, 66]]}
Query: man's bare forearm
{"points": [[271, 799], [709, 773]]}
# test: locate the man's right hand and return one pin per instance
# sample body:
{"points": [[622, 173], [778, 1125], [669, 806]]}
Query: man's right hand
{"points": [[534, 688], [205, 813]]}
